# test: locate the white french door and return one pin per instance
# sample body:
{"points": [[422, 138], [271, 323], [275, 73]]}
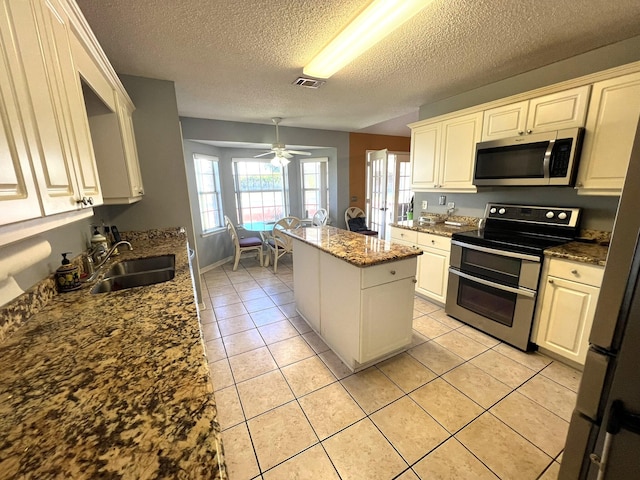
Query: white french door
{"points": [[388, 189]]}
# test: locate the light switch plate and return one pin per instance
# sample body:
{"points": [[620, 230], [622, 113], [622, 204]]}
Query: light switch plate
{"points": [[442, 200], [424, 204]]}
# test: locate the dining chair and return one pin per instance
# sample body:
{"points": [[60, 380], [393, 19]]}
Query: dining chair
{"points": [[278, 244], [320, 218], [356, 222], [242, 245]]}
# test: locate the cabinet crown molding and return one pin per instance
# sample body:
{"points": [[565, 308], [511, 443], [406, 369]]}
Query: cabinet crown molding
{"points": [[538, 92]]}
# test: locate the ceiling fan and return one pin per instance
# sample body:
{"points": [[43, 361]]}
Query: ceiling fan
{"points": [[281, 154]]}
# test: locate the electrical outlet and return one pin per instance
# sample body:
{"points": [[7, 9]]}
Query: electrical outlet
{"points": [[442, 200], [424, 204], [451, 205]]}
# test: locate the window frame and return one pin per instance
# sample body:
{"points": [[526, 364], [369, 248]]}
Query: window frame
{"points": [[323, 189], [284, 191], [216, 193]]}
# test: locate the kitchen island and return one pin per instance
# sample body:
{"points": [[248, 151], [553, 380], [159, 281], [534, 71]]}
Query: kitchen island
{"points": [[112, 385], [355, 291]]}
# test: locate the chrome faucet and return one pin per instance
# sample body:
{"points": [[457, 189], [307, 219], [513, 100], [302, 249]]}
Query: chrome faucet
{"points": [[110, 252], [101, 256]]}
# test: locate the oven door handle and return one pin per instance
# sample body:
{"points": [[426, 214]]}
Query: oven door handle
{"points": [[502, 253], [518, 291]]}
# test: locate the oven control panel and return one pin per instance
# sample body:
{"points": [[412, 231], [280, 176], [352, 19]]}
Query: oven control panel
{"points": [[529, 214]]}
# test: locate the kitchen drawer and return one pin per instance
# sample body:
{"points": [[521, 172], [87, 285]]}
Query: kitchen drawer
{"points": [[404, 235], [434, 241], [388, 272], [576, 271]]}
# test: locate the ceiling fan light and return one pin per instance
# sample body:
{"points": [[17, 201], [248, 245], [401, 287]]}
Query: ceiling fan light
{"points": [[375, 22], [279, 161]]}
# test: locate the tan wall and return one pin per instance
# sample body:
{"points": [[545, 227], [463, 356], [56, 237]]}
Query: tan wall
{"points": [[359, 143]]}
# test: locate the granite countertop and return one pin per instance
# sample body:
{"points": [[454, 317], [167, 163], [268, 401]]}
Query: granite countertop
{"points": [[593, 253], [439, 228], [354, 248], [112, 385]]}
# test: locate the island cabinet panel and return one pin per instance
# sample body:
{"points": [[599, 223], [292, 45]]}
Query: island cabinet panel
{"points": [[340, 307], [366, 313], [385, 309], [306, 283], [363, 313]]}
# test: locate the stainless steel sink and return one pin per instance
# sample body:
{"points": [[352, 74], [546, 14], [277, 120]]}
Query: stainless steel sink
{"points": [[131, 280], [139, 265]]}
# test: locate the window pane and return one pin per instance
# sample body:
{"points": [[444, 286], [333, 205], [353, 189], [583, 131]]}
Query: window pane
{"points": [[208, 186], [259, 191]]}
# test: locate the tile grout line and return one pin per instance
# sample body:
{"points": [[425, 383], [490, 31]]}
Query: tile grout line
{"points": [[404, 394]]}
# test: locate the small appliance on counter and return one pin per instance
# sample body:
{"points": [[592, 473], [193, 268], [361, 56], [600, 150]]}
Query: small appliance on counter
{"points": [[67, 275]]}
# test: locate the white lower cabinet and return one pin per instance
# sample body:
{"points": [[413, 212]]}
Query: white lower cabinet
{"points": [[566, 307], [363, 314], [433, 266]]}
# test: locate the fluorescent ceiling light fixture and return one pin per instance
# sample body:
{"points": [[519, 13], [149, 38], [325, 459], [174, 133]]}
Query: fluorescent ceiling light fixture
{"points": [[375, 22]]}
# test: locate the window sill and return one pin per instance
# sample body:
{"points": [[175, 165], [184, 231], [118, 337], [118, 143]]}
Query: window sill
{"points": [[210, 233]]}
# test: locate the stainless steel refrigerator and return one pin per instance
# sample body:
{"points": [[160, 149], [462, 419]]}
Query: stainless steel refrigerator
{"points": [[604, 435]]}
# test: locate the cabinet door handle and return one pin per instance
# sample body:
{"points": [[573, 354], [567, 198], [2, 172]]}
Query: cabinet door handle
{"points": [[574, 271], [414, 280], [529, 132], [520, 132], [551, 280], [393, 272]]}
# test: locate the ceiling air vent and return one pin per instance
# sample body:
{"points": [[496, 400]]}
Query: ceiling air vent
{"points": [[308, 82]]}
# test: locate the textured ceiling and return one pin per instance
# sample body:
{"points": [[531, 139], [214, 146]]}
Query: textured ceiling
{"points": [[236, 60]]}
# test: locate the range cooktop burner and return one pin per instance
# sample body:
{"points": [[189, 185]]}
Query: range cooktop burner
{"points": [[524, 229]]}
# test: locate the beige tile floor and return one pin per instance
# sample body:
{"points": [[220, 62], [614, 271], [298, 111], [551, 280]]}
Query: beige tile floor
{"points": [[457, 405]]}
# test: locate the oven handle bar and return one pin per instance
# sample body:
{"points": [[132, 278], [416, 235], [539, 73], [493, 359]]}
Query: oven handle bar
{"points": [[518, 291], [503, 253]]}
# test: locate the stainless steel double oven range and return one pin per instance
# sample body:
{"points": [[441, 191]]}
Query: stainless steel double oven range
{"points": [[494, 271]]}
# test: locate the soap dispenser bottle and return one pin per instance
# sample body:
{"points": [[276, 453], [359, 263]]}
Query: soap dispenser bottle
{"points": [[67, 275]]}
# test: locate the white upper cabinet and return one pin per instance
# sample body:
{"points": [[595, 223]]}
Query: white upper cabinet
{"points": [[110, 123], [612, 122], [52, 109], [425, 156], [443, 154], [18, 195], [556, 111]]}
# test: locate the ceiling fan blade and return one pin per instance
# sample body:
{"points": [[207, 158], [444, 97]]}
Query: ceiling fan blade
{"points": [[296, 152], [263, 154], [286, 154]]}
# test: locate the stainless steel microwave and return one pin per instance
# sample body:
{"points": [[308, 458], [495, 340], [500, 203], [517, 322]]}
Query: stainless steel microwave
{"points": [[548, 158]]}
